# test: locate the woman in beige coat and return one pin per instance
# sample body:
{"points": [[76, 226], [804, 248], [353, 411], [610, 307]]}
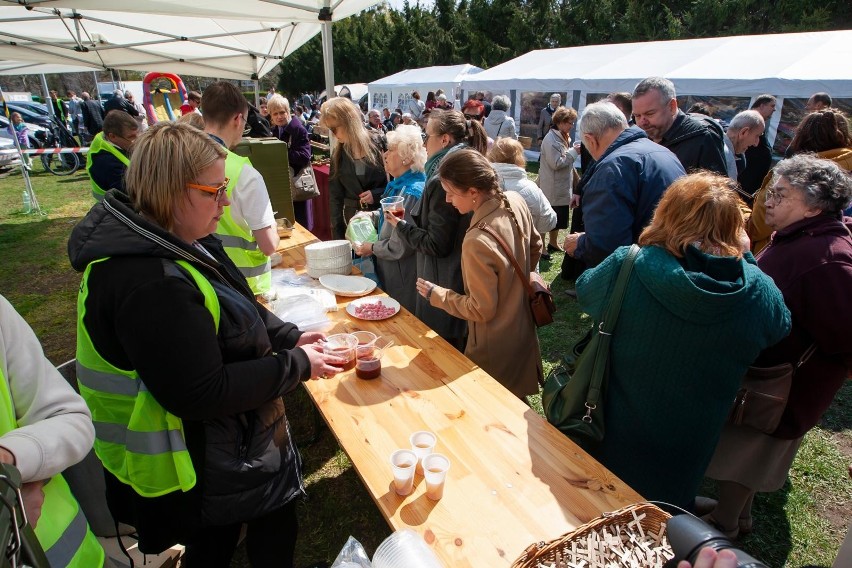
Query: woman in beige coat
{"points": [[501, 333]]}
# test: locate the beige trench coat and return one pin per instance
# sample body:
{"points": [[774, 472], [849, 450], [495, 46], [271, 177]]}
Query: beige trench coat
{"points": [[502, 337]]}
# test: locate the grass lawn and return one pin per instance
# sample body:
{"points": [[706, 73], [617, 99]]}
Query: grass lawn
{"points": [[803, 523]]}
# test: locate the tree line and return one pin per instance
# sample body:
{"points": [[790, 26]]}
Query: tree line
{"points": [[382, 41]]}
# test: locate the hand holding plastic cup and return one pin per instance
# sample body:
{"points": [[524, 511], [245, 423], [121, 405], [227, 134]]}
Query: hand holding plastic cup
{"points": [[435, 467], [394, 206], [402, 463], [342, 345], [422, 444]]}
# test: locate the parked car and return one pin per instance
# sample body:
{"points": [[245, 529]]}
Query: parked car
{"points": [[7, 158]]}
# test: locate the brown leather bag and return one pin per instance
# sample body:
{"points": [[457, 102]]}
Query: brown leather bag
{"points": [[763, 395], [540, 296]]}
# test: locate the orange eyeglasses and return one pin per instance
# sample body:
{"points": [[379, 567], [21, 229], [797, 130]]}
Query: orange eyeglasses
{"points": [[217, 190]]}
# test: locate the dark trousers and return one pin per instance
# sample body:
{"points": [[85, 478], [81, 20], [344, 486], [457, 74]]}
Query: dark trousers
{"points": [[270, 541]]}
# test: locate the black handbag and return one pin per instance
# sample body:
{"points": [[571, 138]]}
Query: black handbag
{"points": [[573, 393]]}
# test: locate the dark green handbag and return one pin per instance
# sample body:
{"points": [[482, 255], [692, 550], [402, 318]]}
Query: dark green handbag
{"points": [[573, 391]]}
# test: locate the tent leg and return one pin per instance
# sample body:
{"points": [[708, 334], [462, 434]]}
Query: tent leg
{"points": [[328, 59], [35, 209], [256, 94], [47, 101]]}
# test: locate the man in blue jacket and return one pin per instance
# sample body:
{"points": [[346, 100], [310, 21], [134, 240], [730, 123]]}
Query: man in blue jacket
{"points": [[622, 188]]}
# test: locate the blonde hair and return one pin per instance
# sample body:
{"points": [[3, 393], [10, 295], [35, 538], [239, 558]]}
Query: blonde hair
{"points": [[166, 157], [507, 151], [408, 143], [468, 169], [700, 209], [340, 112], [276, 102], [194, 119]]}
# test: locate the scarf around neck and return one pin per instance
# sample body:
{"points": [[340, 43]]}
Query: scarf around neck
{"points": [[433, 162]]}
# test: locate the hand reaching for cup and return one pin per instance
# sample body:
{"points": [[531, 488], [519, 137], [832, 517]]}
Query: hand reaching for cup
{"points": [[322, 365], [362, 249]]}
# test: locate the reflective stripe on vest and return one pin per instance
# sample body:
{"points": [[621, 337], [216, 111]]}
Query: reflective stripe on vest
{"points": [[62, 529], [237, 238], [100, 144], [136, 439]]}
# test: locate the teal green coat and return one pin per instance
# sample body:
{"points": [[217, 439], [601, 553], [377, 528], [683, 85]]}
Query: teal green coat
{"points": [[687, 331]]}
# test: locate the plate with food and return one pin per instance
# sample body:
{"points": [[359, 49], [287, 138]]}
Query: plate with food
{"points": [[373, 308], [351, 286]]}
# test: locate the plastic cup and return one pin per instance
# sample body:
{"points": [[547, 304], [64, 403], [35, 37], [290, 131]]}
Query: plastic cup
{"points": [[422, 444], [435, 467], [394, 206], [284, 227], [366, 343], [342, 345], [402, 463]]}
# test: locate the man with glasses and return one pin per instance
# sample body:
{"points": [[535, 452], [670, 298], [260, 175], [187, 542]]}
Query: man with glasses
{"points": [[109, 153], [247, 227]]}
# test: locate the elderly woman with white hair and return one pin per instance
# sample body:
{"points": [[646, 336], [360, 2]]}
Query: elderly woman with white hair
{"points": [[290, 129], [499, 124], [396, 263]]}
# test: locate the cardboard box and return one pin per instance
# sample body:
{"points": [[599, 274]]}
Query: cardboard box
{"points": [[166, 559]]}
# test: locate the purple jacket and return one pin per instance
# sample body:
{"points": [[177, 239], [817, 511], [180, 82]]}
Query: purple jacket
{"points": [[296, 137], [811, 263]]}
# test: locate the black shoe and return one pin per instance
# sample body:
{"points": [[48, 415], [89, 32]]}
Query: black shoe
{"points": [[545, 257], [571, 292], [551, 248]]}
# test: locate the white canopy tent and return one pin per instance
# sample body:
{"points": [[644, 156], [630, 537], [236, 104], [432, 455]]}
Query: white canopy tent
{"points": [[395, 90], [214, 38], [785, 65]]}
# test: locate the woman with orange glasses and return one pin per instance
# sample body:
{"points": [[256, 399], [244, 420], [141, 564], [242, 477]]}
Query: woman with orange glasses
{"points": [[181, 367]]}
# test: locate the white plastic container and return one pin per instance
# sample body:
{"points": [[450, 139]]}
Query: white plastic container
{"points": [[405, 549]]}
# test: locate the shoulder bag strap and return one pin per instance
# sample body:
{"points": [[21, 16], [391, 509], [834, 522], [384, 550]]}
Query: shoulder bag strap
{"points": [[526, 281], [806, 355], [605, 329]]}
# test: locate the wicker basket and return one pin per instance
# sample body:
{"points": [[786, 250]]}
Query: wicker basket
{"points": [[525, 141], [546, 552]]}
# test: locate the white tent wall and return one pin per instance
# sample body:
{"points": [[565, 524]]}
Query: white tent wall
{"points": [[734, 69], [395, 90]]}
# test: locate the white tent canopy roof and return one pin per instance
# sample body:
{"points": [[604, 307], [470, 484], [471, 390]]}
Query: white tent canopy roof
{"points": [[401, 84], [786, 65], [242, 39]]}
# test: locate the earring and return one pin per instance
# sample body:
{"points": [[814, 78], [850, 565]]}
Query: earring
{"points": [[474, 201]]}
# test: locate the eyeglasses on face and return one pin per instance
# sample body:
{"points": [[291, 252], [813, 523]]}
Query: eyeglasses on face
{"points": [[217, 190], [775, 197], [471, 116]]}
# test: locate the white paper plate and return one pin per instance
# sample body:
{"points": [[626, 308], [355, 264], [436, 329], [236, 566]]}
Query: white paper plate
{"points": [[347, 285], [352, 308]]}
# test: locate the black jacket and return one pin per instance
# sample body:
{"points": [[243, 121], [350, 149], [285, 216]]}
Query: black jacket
{"points": [[758, 162], [120, 103], [144, 312], [697, 143], [108, 171], [93, 116]]}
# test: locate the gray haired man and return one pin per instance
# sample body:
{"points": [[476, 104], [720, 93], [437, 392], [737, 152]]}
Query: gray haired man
{"points": [[743, 133]]}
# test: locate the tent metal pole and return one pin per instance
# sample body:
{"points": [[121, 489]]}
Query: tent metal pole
{"points": [[48, 103], [96, 94], [28, 185], [256, 94], [327, 50]]}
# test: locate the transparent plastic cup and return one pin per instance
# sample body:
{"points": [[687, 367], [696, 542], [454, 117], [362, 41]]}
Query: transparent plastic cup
{"points": [[402, 463], [394, 206], [422, 444], [435, 467], [342, 345], [405, 549]]}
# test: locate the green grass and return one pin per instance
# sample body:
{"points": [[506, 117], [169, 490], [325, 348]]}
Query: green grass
{"points": [[801, 524]]}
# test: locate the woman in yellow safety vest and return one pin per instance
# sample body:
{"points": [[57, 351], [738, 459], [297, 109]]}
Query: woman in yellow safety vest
{"points": [[181, 367], [45, 428]]}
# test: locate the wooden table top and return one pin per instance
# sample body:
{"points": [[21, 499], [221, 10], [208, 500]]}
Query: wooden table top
{"points": [[297, 239], [514, 479]]}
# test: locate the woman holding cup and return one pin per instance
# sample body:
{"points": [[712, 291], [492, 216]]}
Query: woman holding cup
{"points": [[396, 263], [174, 348], [502, 335], [436, 229]]}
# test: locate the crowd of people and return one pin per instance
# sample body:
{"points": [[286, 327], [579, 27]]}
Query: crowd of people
{"points": [[730, 274]]}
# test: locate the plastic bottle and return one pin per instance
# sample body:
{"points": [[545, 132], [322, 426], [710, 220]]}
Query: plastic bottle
{"points": [[28, 204]]}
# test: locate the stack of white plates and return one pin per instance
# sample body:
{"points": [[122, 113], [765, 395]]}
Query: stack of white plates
{"points": [[328, 257]]}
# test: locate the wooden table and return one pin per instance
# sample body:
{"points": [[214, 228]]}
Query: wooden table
{"points": [[514, 479], [297, 239]]}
